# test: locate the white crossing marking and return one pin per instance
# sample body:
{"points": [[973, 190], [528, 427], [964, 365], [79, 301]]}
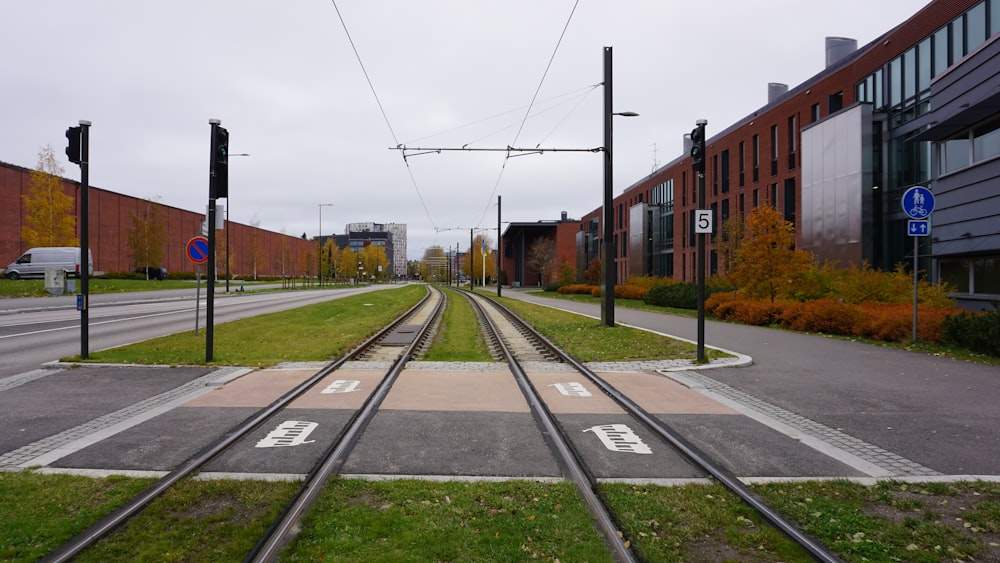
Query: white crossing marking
{"points": [[288, 433], [572, 389], [341, 386], [620, 438]]}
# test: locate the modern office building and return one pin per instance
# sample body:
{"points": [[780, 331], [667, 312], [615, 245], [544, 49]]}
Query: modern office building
{"points": [[918, 106], [397, 252]]}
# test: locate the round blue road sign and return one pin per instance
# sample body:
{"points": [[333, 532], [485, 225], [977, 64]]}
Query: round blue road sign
{"points": [[197, 250], [918, 202]]}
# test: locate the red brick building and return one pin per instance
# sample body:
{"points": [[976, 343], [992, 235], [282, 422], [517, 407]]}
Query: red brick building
{"points": [[519, 239], [111, 221], [835, 155]]}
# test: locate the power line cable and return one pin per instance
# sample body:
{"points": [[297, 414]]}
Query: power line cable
{"points": [[371, 86], [496, 185]]}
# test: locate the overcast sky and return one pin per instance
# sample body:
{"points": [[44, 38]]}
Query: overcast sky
{"points": [[284, 79]]}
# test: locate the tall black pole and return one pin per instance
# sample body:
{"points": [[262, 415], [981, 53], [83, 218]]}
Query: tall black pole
{"points": [[701, 255], [499, 256], [608, 260], [210, 297], [84, 238], [472, 265]]}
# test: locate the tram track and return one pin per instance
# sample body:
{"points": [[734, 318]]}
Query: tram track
{"points": [[519, 342], [398, 340]]}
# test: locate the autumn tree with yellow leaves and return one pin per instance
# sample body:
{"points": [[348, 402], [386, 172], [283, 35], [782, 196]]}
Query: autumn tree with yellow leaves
{"points": [[49, 218], [766, 264]]}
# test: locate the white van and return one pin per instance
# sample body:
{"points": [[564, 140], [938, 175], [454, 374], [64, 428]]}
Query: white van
{"points": [[33, 263]]}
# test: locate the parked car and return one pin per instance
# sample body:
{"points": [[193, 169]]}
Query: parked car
{"points": [[153, 273], [34, 262]]}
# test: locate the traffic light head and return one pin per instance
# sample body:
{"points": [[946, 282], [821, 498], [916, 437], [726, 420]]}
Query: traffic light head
{"points": [[220, 163], [698, 149], [73, 148]]}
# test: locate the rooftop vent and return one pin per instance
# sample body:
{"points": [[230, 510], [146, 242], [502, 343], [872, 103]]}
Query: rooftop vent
{"points": [[775, 90], [839, 47]]}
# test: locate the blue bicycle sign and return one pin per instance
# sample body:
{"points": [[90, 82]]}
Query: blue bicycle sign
{"points": [[918, 202]]}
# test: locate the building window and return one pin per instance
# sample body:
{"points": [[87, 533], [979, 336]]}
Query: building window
{"points": [[715, 175], [986, 142], [835, 102], [725, 171], [986, 275], [792, 142], [957, 39], [756, 197], [942, 60], [924, 65], [774, 150], [994, 18], [756, 158], [742, 156], [814, 114], [956, 274], [790, 200], [955, 155]]}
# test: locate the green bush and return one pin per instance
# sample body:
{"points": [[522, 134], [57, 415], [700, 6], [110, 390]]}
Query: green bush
{"points": [[979, 332], [679, 296]]}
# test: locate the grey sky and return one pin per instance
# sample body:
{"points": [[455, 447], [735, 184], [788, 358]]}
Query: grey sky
{"points": [[284, 79]]}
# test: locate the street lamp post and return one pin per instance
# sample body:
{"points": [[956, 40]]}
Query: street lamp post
{"points": [[319, 239], [607, 215], [228, 200]]}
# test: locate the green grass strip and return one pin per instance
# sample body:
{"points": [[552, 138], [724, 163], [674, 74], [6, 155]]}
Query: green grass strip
{"points": [[318, 332], [459, 338]]}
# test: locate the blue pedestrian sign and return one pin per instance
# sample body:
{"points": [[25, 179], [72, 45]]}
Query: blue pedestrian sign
{"points": [[918, 203], [918, 228]]}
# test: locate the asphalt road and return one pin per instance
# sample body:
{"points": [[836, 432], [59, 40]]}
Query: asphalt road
{"points": [[939, 412], [34, 331]]}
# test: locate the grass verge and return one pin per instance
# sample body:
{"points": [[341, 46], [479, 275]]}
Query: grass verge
{"points": [[313, 333], [459, 338], [587, 341], [413, 520]]}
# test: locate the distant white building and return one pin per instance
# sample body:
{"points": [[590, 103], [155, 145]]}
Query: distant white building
{"points": [[398, 231]]}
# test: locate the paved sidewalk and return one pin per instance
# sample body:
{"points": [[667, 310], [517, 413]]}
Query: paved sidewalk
{"points": [[908, 413]]}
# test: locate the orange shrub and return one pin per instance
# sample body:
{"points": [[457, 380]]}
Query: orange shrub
{"points": [[724, 311], [747, 311], [715, 300], [576, 289], [629, 291], [894, 323], [822, 315], [759, 313]]}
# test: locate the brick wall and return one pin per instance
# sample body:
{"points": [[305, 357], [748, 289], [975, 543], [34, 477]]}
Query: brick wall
{"points": [[111, 221]]}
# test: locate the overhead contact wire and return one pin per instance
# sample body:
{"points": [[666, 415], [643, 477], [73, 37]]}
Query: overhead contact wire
{"points": [[381, 108], [548, 66]]}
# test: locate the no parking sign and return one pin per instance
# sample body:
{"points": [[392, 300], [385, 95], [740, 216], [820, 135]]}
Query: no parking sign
{"points": [[197, 250]]}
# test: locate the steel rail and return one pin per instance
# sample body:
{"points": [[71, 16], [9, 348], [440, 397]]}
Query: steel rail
{"points": [[816, 549], [287, 525], [112, 521], [565, 454]]}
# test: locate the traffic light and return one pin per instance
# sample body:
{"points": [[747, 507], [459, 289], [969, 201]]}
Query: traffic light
{"points": [[698, 148], [220, 163], [73, 149]]}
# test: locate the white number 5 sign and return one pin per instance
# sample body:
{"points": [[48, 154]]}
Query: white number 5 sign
{"points": [[703, 221]]}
